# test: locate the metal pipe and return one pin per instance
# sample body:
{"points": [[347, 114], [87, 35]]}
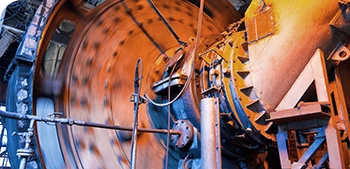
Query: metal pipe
{"points": [[137, 90], [209, 134], [28, 138], [71, 122]]}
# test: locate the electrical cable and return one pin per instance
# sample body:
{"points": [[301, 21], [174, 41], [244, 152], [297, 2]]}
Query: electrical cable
{"points": [[192, 59], [178, 96], [168, 127]]}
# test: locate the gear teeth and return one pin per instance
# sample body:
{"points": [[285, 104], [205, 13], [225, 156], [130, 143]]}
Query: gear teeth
{"points": [[261, 116], [245, 46], [243, 73], [243, 59], [247, 90], [252, 104], [268, 128]]}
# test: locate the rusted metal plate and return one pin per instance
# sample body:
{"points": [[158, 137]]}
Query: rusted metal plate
{"points": [[260, 26]]}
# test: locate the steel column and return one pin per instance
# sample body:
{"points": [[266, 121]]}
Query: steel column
{"points": [[282, 138], [210, 135], [334, 147]]}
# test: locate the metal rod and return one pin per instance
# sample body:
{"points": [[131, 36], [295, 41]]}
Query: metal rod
{"points": [[321, 161], [28, 138], [199, 26], [169, 119], [136, 99], [2, 134], [209, 135], [70, 122], [172, 31]]}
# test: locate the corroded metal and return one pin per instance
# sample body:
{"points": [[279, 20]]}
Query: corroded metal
{"points": [[88, 77], [93, 78]]}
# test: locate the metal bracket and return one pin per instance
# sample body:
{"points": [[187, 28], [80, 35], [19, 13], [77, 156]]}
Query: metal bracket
{"points": [[177, 79], [341, 53]]}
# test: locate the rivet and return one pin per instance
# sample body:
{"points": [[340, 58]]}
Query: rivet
{"points": [[122, 42], [84, 80], [116, 20], [96, 44], [99, 23], [83, 102], [105, 30], [139, 7], [115, 54], [89, 62]]}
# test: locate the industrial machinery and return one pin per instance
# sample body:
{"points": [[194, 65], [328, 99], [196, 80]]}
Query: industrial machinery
{"points": [[182, 84]]}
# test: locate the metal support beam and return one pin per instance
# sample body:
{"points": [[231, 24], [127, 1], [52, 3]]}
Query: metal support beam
{"points": [[282, 138], [311, 73], [2, 17], [319, 140], [312, 114], [334, 147], [5, 41], [210, 134], [322, 161]]}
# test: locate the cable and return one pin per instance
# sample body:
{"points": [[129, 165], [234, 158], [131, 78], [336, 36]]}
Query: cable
{"points": [[178, 96], [187, 81], [192, 56], [168, 134]]}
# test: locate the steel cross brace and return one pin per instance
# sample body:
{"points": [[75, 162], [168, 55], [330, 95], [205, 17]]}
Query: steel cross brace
{"points": [[319, 140]]}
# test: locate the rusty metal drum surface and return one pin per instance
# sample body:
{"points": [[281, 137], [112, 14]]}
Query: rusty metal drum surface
{"points": [[96, 74]]}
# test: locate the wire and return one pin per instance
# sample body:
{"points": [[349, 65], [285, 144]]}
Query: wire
{"points": [[178, 96], [168, 134], [192, 58]]}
